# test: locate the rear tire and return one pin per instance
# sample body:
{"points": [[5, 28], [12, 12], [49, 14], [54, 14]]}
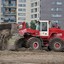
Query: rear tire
{"points": [[56, 44], [20, 43], [34, 43]]}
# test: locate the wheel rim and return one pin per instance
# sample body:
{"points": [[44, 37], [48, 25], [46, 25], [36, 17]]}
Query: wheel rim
{"points": [[35, 45], [57, 45]]}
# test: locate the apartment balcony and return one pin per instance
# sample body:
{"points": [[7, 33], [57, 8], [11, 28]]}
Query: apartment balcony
{"points": [[9, 11], [10, 19], [10, 14], [9, 4]]}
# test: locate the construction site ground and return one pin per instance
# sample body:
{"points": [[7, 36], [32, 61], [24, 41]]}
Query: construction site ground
{"points": [[31, 57]]}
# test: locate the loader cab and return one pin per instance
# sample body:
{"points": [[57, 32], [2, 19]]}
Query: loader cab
{"points": [[44, 28]]}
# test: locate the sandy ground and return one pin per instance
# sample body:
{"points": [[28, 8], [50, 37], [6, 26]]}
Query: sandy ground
{"points": [[31, 57]]}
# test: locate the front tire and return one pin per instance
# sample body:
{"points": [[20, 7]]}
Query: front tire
{"points": [[56, 44], [20, 43], [34, 43]]}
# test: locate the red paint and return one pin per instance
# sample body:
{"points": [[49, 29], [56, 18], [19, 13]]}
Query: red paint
{"points": [[53, 32]]}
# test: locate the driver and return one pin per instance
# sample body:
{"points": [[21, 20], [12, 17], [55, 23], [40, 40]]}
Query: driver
{"points": [[37, 25]]}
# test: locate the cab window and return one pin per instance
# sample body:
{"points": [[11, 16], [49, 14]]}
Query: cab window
{"points": [[43, 26]]}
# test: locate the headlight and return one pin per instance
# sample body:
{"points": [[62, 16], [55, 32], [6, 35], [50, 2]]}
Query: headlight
{"points": [[20, 26]]}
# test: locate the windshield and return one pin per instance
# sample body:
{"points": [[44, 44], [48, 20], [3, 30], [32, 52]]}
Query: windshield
{"points": [[43, 26]]}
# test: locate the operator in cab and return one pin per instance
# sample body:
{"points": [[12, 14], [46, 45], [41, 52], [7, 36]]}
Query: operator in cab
{"points": [[37, 25]]}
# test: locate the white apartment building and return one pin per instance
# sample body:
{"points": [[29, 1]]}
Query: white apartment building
{"points": [[23, 10], [35, 9], [28, 10]]}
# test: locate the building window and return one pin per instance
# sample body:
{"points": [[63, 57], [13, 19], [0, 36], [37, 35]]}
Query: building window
{"points": [[35, 15], [21, 18], [21, 14], [32, 4], [32, 0], [56, 15], [59, 3], [31, 16], [22, 0], [52, 9], [35, 3], [35, 9], [22, 5], [19, 9], [23, 10], [56, 9], [32, 10], [56, 21]]}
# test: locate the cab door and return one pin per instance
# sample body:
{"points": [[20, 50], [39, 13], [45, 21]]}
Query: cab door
{"points": [[44, 28]]}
